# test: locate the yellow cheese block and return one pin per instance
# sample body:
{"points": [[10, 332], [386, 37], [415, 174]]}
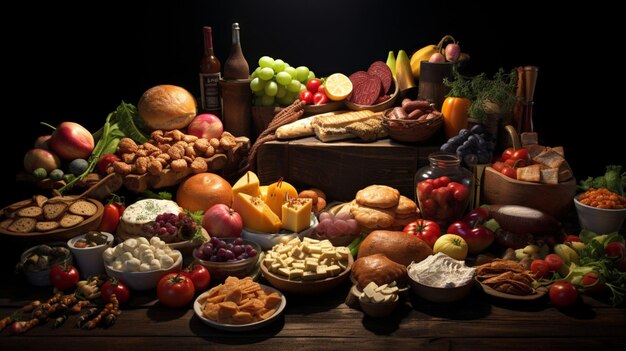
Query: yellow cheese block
{"points": [[248, 184], [296, 214], [264, 191], [277, 194], [255, 214]]}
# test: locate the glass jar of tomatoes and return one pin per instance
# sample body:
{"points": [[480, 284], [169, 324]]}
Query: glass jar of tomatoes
{"points": [[443, 188]]}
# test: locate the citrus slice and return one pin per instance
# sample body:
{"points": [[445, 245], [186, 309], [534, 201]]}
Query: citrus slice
{"points": [[337, 87]]}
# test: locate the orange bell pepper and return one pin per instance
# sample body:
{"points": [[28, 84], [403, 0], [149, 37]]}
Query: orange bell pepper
{"points": [[454, 110]]}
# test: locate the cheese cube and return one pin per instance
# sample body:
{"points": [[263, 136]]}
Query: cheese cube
{"points": [[296, 252], [274, 267], [310, 265], [310, 240], [326, 243], [381, 287], [370, 289], [296, 214], [294, 242], [390, 290], [378, 297], [343, 251], [298, 265], [316, 255], [309, 275], [284, 271], [324, 261], [333, 269], [315, 249], [295, 274], [321, 271], [330, 254], [283, 249], [288, 261], [268, 261]]}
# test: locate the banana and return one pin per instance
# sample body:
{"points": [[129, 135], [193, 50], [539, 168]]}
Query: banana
{"points": [[420, 55], [391, 62], [404, 76]]}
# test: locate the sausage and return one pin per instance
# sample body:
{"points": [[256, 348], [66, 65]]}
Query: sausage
{"points": [[382, 71], [398, 113], [410, 105], [415, 114]]}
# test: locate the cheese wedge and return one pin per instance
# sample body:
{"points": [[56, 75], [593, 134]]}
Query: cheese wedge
{"points": [[248, 184], [277, 193], [296, 214], [263, 189], [255, 214]]}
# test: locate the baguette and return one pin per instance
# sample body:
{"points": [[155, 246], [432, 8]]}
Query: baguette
{"points": [[332, 128], [298, 129]]}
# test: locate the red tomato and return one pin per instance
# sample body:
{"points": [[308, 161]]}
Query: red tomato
{"points": [[459, 191], [507, 154], [554, 261], [424, 229], [441, 181], [110, 219], [442, 196], [592, 283], [63, 277], [424, 189], [572, 238], [175, 290], [321, 89], [520, 154], [199, 275], [498, 166], [509, 172], [563, 294], [313, 85], [540, 268], [105, 161], [117, 287], [617, 252], [306, 96], [320, 98]]}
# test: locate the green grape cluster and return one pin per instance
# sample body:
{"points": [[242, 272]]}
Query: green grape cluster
{"points": [[276, 83]]}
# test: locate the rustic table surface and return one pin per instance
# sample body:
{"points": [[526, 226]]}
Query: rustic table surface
{"points": [[324, 321]]}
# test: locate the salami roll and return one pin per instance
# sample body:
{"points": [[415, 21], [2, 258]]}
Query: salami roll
{"points": [[382, 71]]}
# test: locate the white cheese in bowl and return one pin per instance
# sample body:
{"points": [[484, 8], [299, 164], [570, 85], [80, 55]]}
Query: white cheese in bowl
{"points": [[145, 211], [441, 271]]}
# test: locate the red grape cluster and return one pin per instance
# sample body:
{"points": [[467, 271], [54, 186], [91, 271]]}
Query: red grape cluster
{"points": [[171, 227], [217, 250], [332, 226]]}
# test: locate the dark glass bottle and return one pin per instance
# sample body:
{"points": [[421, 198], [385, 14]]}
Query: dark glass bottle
{"points": [[236, 66], [210, 68]]}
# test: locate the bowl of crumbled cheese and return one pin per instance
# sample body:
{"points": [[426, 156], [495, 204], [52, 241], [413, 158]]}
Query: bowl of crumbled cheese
{"points": [[440, 278]]}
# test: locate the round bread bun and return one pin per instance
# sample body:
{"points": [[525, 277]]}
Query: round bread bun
{"points": [[166, 107], [203, 190]]}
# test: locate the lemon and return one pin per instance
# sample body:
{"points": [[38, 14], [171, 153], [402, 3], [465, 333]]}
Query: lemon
{"points": [[337, 86]]}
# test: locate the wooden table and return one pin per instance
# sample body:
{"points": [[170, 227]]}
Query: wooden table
{"points": [[325, 322]]}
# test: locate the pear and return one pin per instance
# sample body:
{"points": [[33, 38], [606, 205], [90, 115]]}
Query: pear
{"points": [[404, 75], [391, 62]]}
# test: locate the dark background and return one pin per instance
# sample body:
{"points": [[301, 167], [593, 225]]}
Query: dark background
{"points": [[77, 62]]}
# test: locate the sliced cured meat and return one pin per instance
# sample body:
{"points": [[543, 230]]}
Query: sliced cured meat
{"points": [[358, 77], [382, 71], [367, 91]]}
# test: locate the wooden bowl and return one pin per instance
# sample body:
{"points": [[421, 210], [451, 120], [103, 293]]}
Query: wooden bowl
{"points": [[306, 287], [553, 199], [88, 224], [310, 110], [410, 130], [378, 107]]}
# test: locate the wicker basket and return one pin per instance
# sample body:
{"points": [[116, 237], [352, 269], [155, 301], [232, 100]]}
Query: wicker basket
{"points": [[411, 131]]}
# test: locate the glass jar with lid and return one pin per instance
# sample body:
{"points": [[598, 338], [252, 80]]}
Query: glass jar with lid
{"points": [[443, 189]]}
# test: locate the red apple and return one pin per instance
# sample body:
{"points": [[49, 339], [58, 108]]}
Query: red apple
{"points": [[206, 126], [478, 239], [453, 51], [43, 142], [437, 58], [71, 141], [222, 221], [40, 158]]}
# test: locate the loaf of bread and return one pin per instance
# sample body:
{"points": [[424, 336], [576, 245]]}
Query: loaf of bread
{"points": [[379, 269], [397, 246]]}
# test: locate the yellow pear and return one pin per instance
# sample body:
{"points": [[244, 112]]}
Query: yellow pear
{"points": [[277, 194]]}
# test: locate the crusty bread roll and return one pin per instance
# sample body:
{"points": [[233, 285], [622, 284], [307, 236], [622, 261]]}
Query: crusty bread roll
{"points": [[397, 246], [167, 107], [379, 269]]}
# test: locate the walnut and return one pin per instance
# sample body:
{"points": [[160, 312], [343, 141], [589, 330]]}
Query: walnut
{"points": [[129, 157], [156, 152], [188, 159], [176, 152], [157, 133], [164, 157], [179, 165], [184, 144], [149, 147], [141, 165], [189, 138], [215, 142], [175, 134], [199, 165], [155, 167], [164, 147], [201, 145], [210, 151], [141, 152], [227, 141], [122, 168], [126, 145], [189, 151]]}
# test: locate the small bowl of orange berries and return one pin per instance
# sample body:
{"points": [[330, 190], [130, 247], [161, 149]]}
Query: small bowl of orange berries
{"points": [[600, 210]]}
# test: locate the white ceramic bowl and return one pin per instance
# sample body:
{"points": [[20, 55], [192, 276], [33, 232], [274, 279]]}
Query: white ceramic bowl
{"points": [[441, 295], [144, 280], [599, 220], [89, 259], [268, 240]]}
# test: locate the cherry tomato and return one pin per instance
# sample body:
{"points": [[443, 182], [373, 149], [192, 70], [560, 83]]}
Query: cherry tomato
{"points": [[509, 172], [554, 261], [175, 290], [105, 161], [110, 219], [306, 96], [424, 229], [440, 182], [117, 287], [458, 191], [313, 85], [199, 275], [540, 268], [424, 189], [442, 196], [63, 276], [321, 89], [563, 294], [520, 154], [617, 252], [572, 238], [498, 166], [507, 154], [320, 98]]}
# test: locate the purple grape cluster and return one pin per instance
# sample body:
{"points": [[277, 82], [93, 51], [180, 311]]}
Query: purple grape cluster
{"points": [[217, 250], [171, 227]]}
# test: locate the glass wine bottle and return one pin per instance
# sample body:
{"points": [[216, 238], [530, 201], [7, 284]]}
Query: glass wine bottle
{"points": [[210, 68]]}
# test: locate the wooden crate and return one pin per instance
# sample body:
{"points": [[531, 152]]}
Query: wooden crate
{"points": [[342, 168]]}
